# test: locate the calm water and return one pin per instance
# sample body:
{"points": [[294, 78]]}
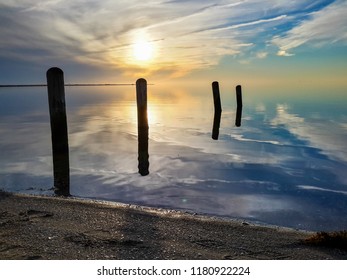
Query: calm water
{"points": [[286, 165]]}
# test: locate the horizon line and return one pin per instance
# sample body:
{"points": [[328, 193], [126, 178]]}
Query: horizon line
{"points": [[69, 85]]}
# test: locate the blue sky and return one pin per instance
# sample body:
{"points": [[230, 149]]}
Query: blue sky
{"points": [[94, 41]]}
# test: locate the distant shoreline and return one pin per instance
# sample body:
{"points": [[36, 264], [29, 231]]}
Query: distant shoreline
{"points": [[67, 85]]}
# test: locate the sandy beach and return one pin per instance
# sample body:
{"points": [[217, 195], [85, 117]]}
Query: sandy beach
{"points": [[38, 227]]}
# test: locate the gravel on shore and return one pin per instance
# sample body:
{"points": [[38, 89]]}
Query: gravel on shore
{"points": [[40, 227]]}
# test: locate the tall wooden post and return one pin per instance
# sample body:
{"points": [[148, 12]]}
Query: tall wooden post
{"points": [[142, 126], [60, 146], [239, 106], [217, 110]]}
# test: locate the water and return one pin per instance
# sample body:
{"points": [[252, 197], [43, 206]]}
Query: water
{"points": [[284, 166]]}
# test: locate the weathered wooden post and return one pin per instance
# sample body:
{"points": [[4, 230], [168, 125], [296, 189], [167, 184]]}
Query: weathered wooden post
{"points": [[239, 106], [217, 110], [60, 146], [142, 126]]}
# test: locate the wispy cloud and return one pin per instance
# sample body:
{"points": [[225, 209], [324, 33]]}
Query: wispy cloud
{"points": [[262, 55], [326, 26]]}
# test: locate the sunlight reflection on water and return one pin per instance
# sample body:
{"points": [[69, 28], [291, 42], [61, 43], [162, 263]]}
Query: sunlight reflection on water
{"points": [[285, 165]]}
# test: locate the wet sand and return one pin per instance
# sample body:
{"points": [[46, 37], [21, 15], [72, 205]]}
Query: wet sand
{"points": [[39, 227]]}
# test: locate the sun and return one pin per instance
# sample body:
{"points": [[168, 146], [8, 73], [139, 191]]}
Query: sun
{"points": [[143, 51]]}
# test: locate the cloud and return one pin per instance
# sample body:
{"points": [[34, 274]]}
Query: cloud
{"points": [[250, 23], [284, 53], [262, 55], [326, 26]]}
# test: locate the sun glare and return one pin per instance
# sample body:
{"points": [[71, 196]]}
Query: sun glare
{"points": [[143, 51]]}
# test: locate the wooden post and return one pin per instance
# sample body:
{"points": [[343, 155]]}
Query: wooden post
{"points": [[60, 146], [142, 126], [217, 110], [239, 106]]}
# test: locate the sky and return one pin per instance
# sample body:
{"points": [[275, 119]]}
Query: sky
{"points": [[264, 42]]}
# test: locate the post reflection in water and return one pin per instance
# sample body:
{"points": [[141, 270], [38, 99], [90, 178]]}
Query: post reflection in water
{"points": [[239, 106], [284, 166], [217, 110]]}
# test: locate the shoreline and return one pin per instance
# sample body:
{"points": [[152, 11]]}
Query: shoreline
{"points": [[45, 227], [158, 209]]}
